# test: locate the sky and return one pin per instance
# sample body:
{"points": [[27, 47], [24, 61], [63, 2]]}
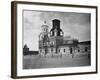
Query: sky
{"points": [[76, 25]]}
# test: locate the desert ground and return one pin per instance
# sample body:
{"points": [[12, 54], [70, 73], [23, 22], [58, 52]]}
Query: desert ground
{"points": [[55, 61]]}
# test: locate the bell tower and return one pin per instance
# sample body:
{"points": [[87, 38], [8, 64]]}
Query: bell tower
{"points": [[44, 38], [56, 30], [56, 34]]}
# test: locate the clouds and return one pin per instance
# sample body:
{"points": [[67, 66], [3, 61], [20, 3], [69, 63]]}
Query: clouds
{"points": [[76, 25]]}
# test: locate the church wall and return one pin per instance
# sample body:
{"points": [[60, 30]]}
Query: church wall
{"points": [[64, 45], [84, 48], [64, 50]]}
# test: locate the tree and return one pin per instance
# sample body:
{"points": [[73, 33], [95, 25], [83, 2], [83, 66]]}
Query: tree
{"points": [[25, 49]]}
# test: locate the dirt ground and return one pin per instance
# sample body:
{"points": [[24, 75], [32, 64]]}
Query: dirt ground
{"points": [[37, 62]]}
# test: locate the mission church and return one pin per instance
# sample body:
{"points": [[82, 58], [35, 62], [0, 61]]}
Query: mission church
{"points": [[54, 41]]}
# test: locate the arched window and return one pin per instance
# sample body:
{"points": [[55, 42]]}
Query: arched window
{"points": [[44, 29], [59, 50], [64, 50], [86, 49]]}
